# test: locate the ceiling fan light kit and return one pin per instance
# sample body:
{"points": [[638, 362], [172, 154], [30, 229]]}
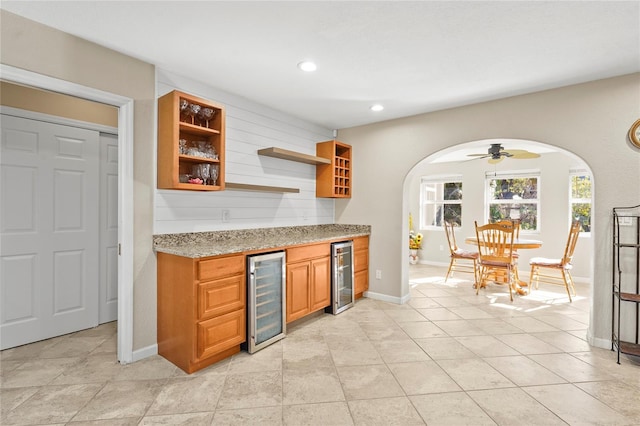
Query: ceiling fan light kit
{"points": [[497, 153]]}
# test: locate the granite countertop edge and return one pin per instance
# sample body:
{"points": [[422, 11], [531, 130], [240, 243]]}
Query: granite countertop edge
{"points": [[216, 243]]}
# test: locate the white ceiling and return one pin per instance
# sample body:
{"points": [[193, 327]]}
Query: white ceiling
{"points": [[413, 57]]}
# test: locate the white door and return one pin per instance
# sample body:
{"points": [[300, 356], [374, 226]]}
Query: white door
{"points": [[48, 230], [108, 228]]}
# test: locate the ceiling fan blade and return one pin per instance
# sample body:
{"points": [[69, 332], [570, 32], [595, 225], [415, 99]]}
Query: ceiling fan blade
{"points": [[478, 155], [495, 160], [524, 155]]}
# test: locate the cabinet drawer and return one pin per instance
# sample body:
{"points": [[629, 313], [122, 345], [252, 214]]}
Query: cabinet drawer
{"points": [[221, 296], [361, 260], [221, 333], [360, 243], [220, 267], [297, 254]]}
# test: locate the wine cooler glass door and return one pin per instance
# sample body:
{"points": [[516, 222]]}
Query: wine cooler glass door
{"points": [[342, 265], [266, 300]]}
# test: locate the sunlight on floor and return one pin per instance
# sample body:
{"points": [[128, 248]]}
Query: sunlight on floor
{"points": [[539, 299]]}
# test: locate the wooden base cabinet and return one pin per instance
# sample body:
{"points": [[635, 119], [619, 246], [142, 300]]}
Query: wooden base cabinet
{"points": [[308, 280], [361, 265], [201, 309]]}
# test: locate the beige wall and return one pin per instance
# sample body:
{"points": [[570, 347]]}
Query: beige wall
{"points": [[590, 120], [34, 47], [43, 101]]}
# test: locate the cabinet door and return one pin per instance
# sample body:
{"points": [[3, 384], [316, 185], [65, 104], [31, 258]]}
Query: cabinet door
{"points": [[221, 333], [298, 277], [361, 282], [320, 283]]}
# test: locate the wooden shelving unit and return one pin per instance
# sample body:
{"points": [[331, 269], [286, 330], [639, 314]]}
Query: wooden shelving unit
{"points": [[285, 154], [626, 264], [260, 188], [176, 167], [334, 180]]}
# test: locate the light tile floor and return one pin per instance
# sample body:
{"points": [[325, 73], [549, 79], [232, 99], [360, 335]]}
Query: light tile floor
{"points": [[448, 357]]}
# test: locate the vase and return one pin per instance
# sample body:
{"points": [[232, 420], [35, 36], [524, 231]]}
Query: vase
{"points": [[413, 256]]}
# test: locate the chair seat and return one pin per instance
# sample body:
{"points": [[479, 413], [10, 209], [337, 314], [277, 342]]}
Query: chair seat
{"points": [[466, 254], [550, 263]]}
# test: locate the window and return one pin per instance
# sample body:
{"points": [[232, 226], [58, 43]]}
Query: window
{"points": [[441, 199], [514, 197], [580, 199]]}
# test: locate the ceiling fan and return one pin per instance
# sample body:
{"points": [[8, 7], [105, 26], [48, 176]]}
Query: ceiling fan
{"points": [[496, 153]]}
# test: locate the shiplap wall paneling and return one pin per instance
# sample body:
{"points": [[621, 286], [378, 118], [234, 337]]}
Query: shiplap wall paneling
{"points": [[249, 127]]}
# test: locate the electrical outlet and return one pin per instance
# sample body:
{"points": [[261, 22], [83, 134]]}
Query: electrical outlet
{"points": [[226, 215], [378, 274], [441, 248]]}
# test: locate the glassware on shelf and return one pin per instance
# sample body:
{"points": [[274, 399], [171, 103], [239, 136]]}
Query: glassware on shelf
{"points": [[197, 176], [203, 146], [206, 114], [182, 150], [212, 153], [183, 106], [213, 173], [194, 111], [205, 172], [193, 151]]}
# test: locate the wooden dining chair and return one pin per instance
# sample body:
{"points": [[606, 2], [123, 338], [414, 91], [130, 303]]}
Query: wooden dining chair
{"points": [[558, 270], [495, 248], [516, 234], [461, 260]]}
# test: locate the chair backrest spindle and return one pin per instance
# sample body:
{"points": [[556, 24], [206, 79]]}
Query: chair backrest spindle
{"points": [[571, 242]]}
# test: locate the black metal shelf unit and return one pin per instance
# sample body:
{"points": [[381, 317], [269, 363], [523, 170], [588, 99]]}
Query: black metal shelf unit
{"points": [[626, 280]]}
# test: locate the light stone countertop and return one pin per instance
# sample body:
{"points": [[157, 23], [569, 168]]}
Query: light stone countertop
{"points": [[215, 243]]}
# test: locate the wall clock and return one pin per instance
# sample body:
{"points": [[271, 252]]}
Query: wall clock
{"points": [[634, 133]]}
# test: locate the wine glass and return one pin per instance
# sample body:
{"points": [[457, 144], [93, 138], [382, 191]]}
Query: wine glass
{"points": [[194, 109], [213, 173], [184, 105], [206, 114], [183, 146], [205, 172]]}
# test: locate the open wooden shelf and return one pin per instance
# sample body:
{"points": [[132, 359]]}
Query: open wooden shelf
{"points": [[260, 188], [285, 154], [174, 166], [333, 180]]}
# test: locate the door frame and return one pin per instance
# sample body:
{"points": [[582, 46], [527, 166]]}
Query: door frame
{"points": [[125, 188]]}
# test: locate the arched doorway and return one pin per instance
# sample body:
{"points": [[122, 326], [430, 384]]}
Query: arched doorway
{"points": [[554, 168]]}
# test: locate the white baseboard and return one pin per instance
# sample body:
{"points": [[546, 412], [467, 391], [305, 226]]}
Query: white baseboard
{"points": [[599, 343], [143, 353], [387, 298]]}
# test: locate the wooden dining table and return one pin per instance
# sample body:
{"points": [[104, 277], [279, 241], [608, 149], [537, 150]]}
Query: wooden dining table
{"points": [[518, 243]]}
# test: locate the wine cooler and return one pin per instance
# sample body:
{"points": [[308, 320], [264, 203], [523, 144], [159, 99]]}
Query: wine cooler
{"points": [[342, 295], [265, 300]]}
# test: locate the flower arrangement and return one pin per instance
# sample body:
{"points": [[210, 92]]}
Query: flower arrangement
{"points": [[415, 240]]}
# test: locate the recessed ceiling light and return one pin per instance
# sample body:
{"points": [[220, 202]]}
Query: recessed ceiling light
{"points": [[377, 107], [307, 66]]}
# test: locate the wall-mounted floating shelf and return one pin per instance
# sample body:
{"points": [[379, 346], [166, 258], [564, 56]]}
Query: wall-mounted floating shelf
{"points": [[260, 188], [285, 154]]}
